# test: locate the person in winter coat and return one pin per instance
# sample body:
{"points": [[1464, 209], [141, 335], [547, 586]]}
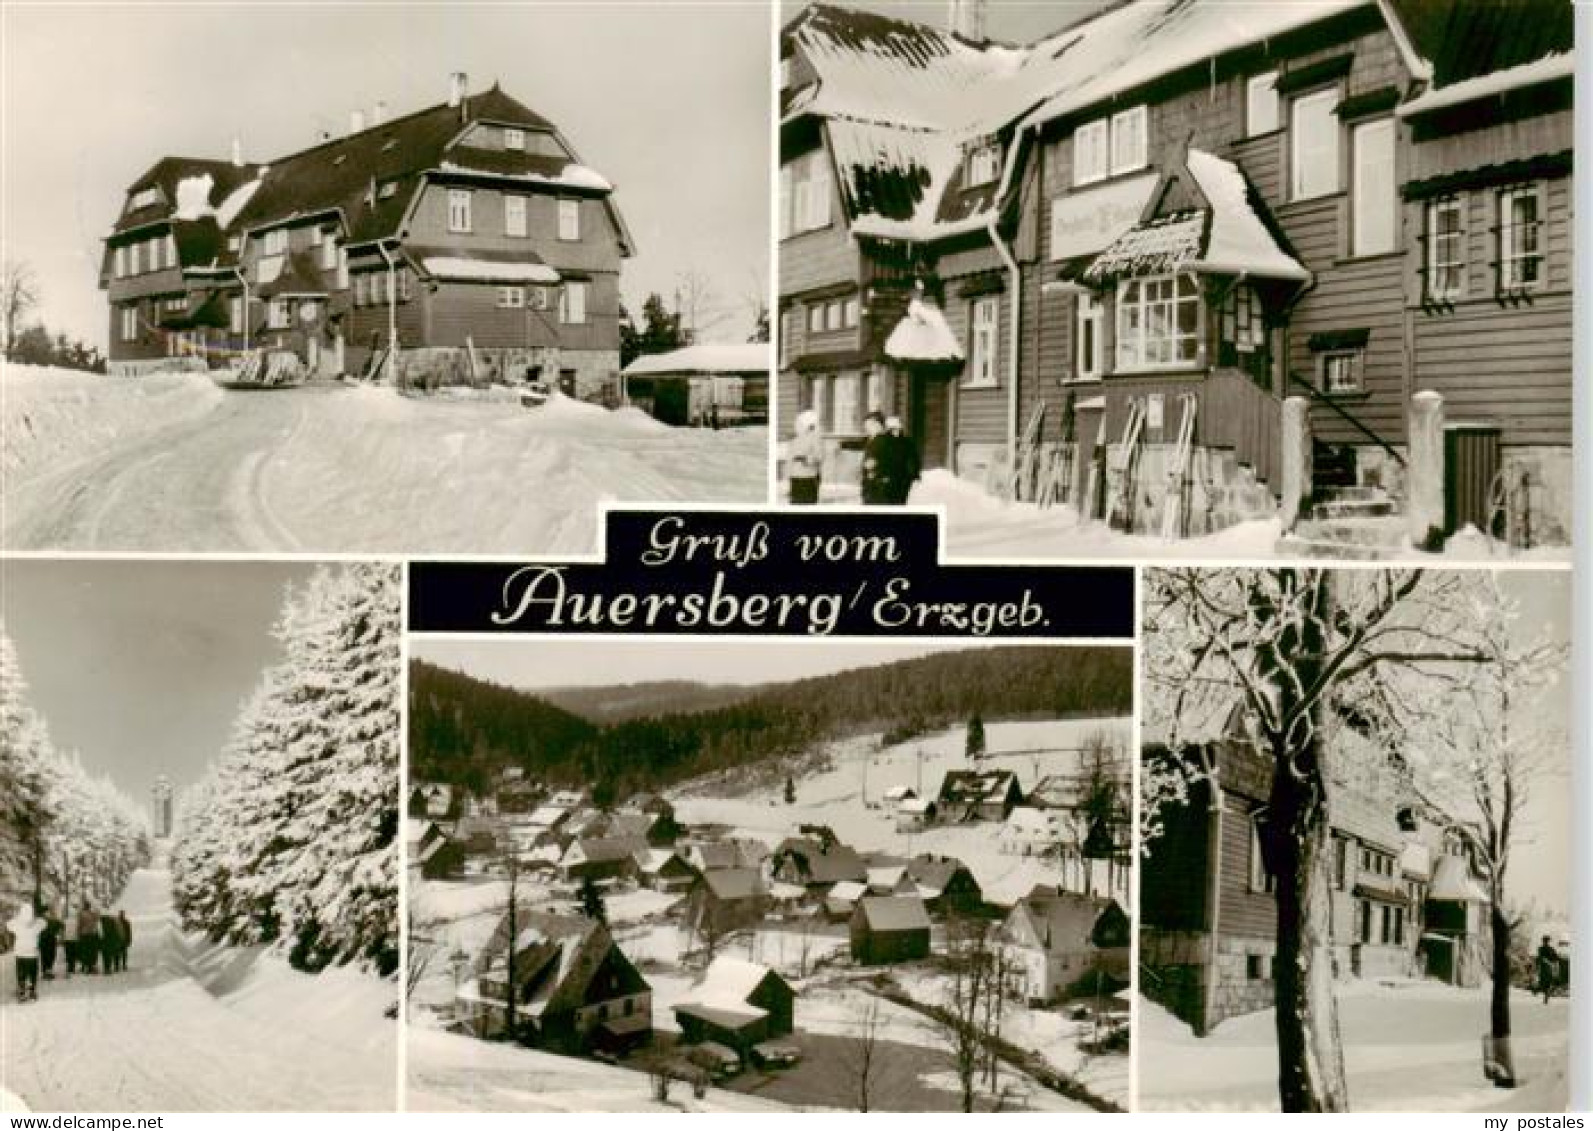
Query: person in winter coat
{"points": [[903, 459], [88, 937], [49, 940], [69, 938], [126, 931], [110, 942], [875, 479], [26, 927], [1548, 969], [805, 459]]}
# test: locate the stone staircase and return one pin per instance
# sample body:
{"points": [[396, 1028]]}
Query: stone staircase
{"points": [[1348, 524]]}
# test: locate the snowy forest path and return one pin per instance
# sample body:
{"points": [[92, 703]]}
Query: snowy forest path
{"points": [[155, 1038], [195, 483]]}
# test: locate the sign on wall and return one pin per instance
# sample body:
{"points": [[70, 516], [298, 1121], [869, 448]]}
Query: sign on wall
{"points": [[1083, 223]]}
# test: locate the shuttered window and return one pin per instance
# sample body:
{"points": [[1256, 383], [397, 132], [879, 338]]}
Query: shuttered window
{"points": [[1314, 145], [1261, 104]]}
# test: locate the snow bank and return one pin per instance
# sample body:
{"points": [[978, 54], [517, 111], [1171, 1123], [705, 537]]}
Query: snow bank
{"points": [[50, 417]]}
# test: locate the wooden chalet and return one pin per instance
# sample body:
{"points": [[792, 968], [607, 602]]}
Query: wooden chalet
{"points": [[978, 795], [1061, 940], [737, 1004], [462, 240], [887, 929], [574, 989], [1314, 260], [721, 900]]}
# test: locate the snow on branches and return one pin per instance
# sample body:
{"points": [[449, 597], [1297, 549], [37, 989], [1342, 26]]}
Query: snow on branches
{"points": [[65, 834], [291, 838]]}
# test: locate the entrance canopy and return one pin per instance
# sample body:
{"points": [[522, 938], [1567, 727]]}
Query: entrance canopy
{"points": [[922, 336]]}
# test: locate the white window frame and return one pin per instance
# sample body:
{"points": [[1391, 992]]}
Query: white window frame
{"points": [[514, 215], [818, 400], [572, 303], [845, 398], [984, 164], [329, 252], [1444, 274], [815, 318], [820, 189], [514, 139], [235, 314], [1147, 305], [274, 242], [459, 210], [171, 250], [362, 289], [1329, 149], [130, 322], [1263, 107], [279, 314], [1130, 140], [511, 298], [1332, 380], [569, 219], [849, 312], [119, 262], [1089, 314], [1521, 243], [834, 316], [1374, 205], [984, 342], [1090, 163], [315, 236], [787, 198]]}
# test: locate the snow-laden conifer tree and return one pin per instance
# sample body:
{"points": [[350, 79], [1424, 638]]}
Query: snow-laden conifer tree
{"points": [[24, 748]]}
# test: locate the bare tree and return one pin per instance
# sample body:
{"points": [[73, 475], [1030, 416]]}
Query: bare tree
{"points": [[19, 295], [1286, 649], [698, 304], [965, 1012], [865, 1060]]}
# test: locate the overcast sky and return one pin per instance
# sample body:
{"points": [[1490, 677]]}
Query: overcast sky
{"points": [[669, 101], [142, 665]]}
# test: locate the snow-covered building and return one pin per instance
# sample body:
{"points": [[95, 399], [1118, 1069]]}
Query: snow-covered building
{"points": [[706, 383], [915, 813], [978, 795], [945, 884], [805, 861], [737, 1004], [1061, 939], [721, 900], [573, 988], [600, 858], [1111, 256], [889, 928], [468, 234], [663, 869]]}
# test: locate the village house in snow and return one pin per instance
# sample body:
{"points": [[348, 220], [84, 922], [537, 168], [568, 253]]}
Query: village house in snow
{"points": [[713, 384], [1059, 940], [1179, 267], [1402, 902], [468, 235], [737, 1004], [574, 989], [887, 929], [978, 795]]}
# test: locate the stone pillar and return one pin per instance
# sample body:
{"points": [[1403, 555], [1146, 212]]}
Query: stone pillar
{"points": [[1424, 478], [1295, 477]]}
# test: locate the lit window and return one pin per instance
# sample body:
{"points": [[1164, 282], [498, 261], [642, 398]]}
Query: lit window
{"points": [[1129, 143], [569, 219], [1158, 322], [1446, 250], [1261, 104], [1520, 239], [984, 164], [572, 304], [276, 241], [1090, 315], [234, 243], [1089, 152], [514, 216], [514, 139], [511, 298], [1341, 373], [984, 316], [459, 210], [1375, 205], [1314, 146]]}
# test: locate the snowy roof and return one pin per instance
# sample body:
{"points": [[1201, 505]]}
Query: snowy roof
{"points": [[1452, 880], [886, 877], [893, 913], [1156, 246], [1416, 859], [1549, 68], [734, 883], [899, 792], [923, 335], [570, 174], [547, 816], [707, 357], [916, 805], [470, 269], [725, 987], [847, 891]]}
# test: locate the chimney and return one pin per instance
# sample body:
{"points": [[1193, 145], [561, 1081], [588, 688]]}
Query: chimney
{"points": [[356, 121], [966, 18], [456, 88], [237, 151], [379, 114]]}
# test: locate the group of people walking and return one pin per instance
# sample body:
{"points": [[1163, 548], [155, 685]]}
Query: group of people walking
{"points": [[890, 464], [89, 940]]}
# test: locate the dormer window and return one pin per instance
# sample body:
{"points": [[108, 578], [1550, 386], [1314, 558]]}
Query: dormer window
{"points": [[984, 164], [514, 139]]}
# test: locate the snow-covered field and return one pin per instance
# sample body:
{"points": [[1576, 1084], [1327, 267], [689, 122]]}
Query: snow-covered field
{"points": [[194, 1027], [859, 769], [978, 525], [170, 462], [1408, 1046]]}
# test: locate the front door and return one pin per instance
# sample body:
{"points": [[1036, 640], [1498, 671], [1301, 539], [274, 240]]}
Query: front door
{"points": [[929, 417]]}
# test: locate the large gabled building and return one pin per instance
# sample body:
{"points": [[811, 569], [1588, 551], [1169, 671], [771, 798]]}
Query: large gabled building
{"points": [[468, 234]]}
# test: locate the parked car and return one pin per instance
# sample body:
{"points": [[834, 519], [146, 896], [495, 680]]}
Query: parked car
{"points": [[773, 1055], [715, 1059]]}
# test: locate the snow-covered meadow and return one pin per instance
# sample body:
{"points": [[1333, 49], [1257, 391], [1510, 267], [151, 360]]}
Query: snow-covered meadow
{"points": [[171, 462]]}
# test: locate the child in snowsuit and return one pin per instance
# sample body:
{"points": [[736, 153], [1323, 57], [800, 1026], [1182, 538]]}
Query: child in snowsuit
{"points": [[25, 928], [805, 459]]}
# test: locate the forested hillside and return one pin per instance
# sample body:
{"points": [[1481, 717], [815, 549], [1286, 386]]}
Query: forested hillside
{"points": [[463, 729]]}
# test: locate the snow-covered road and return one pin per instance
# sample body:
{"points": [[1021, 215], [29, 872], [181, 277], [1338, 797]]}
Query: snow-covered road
{"points": [[96, 463], [187, 1028]]}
